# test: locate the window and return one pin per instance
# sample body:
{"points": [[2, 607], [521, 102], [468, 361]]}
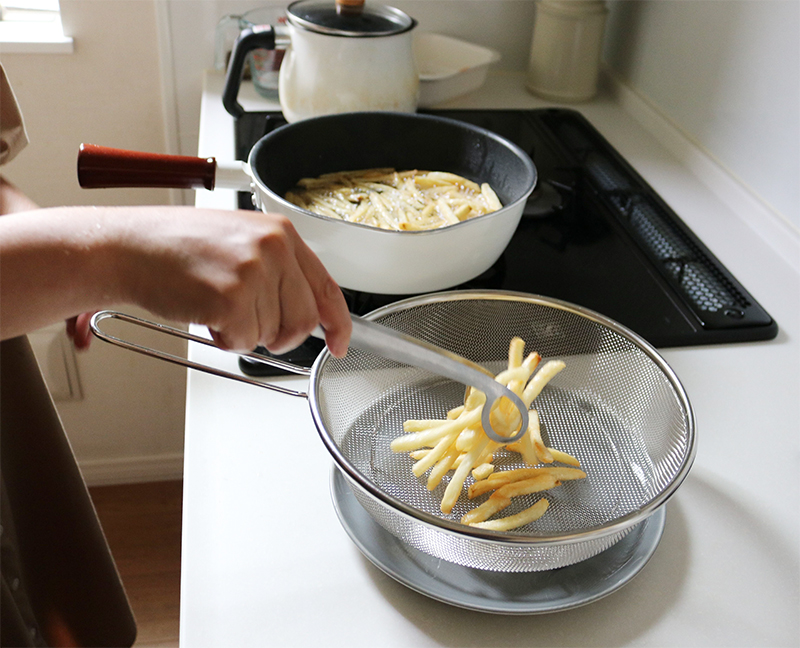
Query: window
{"points": [[32, 26], [29, 10]]}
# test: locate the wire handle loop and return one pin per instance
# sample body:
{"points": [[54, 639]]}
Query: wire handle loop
{"points": [[185, 362]]}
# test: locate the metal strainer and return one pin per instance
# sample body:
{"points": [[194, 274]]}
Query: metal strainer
{"points": [[617, 406]]}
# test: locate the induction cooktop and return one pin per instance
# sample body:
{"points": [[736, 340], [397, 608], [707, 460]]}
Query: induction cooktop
{"points": [[593, 233]]}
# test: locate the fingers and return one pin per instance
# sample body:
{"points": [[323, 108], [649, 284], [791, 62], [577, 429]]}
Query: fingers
{"points": [[219, 340], [334, 315], [335, 319], [282, 296], [263, 296], [78, 330], [247, 276], [295, 309], [309, 296]]}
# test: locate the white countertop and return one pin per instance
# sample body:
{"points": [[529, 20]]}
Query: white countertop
{"points": [[266, 562]]}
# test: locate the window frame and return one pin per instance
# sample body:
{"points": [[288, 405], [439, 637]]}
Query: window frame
{"points": [[32, 27]]}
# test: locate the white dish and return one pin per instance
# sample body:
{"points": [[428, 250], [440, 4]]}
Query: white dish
{"points": [[497, 592], [449, 67]]}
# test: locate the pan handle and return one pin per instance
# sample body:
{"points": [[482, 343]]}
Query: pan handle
{"points": [[184, 362], [101, 167]]}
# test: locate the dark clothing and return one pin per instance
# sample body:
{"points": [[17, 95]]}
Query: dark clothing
{"points": [[59, 584], [59, 581]]}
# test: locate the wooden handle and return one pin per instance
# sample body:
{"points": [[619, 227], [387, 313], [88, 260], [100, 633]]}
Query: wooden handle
{"points": [[349, 6], [102, 167]]}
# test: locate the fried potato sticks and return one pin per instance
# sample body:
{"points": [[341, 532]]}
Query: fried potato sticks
{"points": [[458, 444], [388, 199]]}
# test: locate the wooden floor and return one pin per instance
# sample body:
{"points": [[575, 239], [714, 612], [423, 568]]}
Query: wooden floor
{"points": [[142, 523]]}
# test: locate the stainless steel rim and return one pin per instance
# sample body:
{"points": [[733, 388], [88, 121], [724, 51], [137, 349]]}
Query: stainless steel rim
{"points": [[440, 524]]}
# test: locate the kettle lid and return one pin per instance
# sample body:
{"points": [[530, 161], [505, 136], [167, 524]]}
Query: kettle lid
{"points": [[327, 17]]}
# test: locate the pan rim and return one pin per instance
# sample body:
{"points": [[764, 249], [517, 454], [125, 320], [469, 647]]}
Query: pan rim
{"points": [[440, 524], [519, 153]]}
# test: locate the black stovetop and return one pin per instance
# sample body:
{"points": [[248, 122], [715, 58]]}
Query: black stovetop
{"points": [[593, 233]]}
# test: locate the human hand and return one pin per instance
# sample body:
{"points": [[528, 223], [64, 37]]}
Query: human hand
{"points": [[248, 276], [78, 330]]}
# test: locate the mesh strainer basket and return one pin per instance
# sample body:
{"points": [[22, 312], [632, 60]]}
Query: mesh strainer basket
{"points": [[617, 406]]}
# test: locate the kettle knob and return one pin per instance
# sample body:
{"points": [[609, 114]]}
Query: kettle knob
{"points": [[349, 7]]}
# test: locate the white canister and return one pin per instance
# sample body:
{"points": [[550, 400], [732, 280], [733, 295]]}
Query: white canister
{"points": [[566, 49]]}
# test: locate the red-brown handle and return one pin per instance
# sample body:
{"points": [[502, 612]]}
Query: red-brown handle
{"points": [[103, 167], [349, 7]]}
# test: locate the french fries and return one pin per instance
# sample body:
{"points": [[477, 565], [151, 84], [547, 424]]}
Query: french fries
{"points": [[458, 444], [530, 514], [495, 503], [500, 480], [385, 198]]}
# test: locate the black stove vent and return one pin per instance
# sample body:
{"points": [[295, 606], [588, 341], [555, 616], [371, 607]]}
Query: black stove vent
{"points": [[708, 289]]}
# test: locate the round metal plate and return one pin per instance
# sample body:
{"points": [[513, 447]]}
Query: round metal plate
{"points": [[497, 592]]}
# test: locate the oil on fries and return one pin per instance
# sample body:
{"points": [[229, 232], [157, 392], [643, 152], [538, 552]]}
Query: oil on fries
{"points": [[459, 444], [396, 200]]}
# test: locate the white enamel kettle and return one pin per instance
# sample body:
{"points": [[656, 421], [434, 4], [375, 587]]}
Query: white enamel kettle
{"points": [[341, 56]]}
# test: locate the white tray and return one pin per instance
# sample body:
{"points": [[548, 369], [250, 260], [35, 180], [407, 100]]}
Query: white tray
{"points": [[448, 67]]}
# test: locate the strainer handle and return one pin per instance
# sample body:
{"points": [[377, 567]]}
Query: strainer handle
{"points": [[94, 324], [394, 345]]}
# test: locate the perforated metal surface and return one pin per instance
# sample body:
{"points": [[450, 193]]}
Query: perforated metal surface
{"points": [[616, 406], [703, 284]]}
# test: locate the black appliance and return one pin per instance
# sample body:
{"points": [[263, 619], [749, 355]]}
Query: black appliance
{"points": [[593, 233]]}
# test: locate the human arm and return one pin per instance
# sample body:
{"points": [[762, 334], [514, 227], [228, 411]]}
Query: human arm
{"points": [[13, 200], [248, 276]]}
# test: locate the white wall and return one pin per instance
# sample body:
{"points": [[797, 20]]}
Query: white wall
{"points": [[129, 424], [106, 92], [728, 75]]}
